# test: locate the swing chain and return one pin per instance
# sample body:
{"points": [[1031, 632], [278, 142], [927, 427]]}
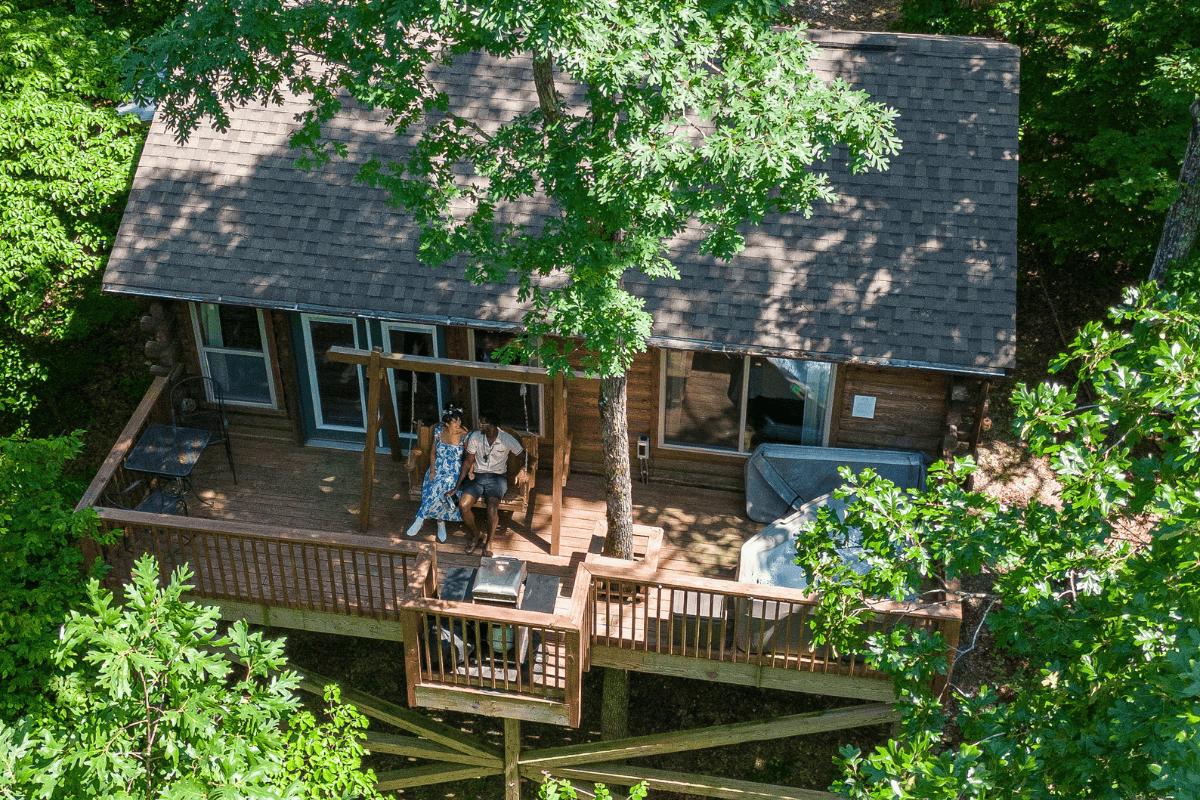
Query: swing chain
{"points": [[525, 406]]}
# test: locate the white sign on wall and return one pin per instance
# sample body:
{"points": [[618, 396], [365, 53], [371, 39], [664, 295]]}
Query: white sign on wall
{"points": [[864, 406]]}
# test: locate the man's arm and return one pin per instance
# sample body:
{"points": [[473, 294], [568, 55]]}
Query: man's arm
{"points": [[522, 477], [468, 465]]}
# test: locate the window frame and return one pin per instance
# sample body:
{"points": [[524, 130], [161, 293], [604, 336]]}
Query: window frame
{"points": [[435, 333], [310, 371], [202, 351], [663, 444]]}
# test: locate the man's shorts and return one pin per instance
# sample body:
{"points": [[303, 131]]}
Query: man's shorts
{"points": [[486, 484]]}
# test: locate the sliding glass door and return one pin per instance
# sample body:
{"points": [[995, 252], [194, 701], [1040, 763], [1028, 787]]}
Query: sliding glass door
{"points": [[335, 393]]}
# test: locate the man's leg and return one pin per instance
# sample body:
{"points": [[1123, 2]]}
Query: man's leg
{"points": [[465, 501], [493, 512]]}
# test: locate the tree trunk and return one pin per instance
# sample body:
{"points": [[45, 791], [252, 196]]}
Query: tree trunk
{"points": [[1179, 230], [618, 487], [614, 706], [543, 80]]}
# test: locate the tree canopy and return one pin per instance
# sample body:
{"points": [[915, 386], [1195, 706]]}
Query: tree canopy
{"points": [[40, 564], [1094, 603], [65, 165], [1103, 124], [150, 701], [650, 118], [689, 112]]}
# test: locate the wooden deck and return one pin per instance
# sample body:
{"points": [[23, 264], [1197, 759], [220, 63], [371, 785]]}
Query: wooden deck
{"points": [[284, 546], [285, 485]]}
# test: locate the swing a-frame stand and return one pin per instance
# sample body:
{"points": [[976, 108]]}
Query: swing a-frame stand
{"points": [[380, 412]]}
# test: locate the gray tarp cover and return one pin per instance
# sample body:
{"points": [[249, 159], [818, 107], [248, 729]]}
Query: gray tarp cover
{"points": [[782, 477]]}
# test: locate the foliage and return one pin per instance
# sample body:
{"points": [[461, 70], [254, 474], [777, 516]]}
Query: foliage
{"points": [[555, 789], [1104, 116], [40, 564], [148, 705], [65, 166], [325, 756], [1105, 695], [625, 162]]}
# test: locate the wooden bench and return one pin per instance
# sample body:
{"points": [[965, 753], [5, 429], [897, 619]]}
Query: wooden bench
{"points": [[517, 496]]}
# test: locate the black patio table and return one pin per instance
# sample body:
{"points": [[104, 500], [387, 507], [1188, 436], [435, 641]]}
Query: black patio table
{"points": [[167, 451]]}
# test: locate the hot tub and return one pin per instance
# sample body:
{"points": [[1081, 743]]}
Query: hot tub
{"points": [[780, 478]]}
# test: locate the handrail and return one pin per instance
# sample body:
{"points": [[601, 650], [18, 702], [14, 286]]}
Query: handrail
{"points": [[287, 568], [198, 524], [482, 613], [734, 622], [603, 569], [116, 457]]}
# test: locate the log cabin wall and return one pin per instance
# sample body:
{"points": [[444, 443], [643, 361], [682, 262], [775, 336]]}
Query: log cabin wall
{"points": [[667, 464], [910, 409]]}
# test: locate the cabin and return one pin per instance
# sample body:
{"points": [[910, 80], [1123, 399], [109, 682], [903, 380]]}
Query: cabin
{"points": [[879, 323]]}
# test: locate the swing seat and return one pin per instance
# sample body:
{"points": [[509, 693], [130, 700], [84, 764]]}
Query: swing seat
{"points": [[517, 496]]}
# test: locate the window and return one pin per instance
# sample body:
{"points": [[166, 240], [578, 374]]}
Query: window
{"points": [[518, 405], [337, 391], [417, 395], [232, 342], [738, 402]]}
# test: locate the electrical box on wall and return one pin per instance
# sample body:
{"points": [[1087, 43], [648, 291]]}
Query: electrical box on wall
{"points": [[643, 453], [864, 406]]}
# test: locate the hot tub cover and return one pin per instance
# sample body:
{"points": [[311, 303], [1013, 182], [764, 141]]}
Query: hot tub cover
{"points": [[780, 478], [768, 558]]}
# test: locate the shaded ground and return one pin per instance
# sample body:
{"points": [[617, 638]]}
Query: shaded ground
{"points": [[657, 704]]}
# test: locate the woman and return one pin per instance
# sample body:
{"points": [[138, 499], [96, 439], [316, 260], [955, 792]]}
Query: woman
{"points": [[437, 500]]}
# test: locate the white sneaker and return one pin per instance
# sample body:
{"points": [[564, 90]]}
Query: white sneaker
{"points": [[441, 530], [415, 528]]}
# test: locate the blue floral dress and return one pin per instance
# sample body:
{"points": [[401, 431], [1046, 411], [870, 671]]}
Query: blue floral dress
{"points": [[447, 464]]}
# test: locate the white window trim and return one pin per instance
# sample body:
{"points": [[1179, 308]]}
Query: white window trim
{"points": [[384, 328], [203, 350], [541, 390], [311, 366], [827, 422]]}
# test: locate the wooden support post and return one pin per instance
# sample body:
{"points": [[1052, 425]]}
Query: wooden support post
{"points": [[410, 620], [512, 755], [374, 386], [559, 393], [389, 415]]}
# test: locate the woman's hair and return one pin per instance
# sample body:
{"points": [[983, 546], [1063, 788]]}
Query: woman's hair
{"points": [[452, 412]]}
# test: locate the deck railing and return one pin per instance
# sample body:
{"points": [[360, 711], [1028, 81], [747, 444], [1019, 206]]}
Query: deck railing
{"points": [[284, 568], [736, 623], [111, 478], [530, 663]]}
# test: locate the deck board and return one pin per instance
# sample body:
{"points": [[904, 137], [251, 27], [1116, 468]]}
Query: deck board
{"points": [[282, 484]]}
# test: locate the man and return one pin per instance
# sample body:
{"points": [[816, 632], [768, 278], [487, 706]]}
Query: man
{"points": [[485, 470]]}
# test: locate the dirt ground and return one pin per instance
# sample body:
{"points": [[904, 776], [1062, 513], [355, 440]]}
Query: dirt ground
{"points": [[657, 704]]}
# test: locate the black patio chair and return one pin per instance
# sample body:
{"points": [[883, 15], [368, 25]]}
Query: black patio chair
{"points": [[197, 402], [137, 496], [155, 501]]}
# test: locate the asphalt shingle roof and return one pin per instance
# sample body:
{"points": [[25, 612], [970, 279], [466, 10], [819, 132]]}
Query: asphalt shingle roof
{"points": [[916, 265]]}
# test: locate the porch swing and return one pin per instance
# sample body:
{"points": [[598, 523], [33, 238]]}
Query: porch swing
{"points": [[516, 499]]}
